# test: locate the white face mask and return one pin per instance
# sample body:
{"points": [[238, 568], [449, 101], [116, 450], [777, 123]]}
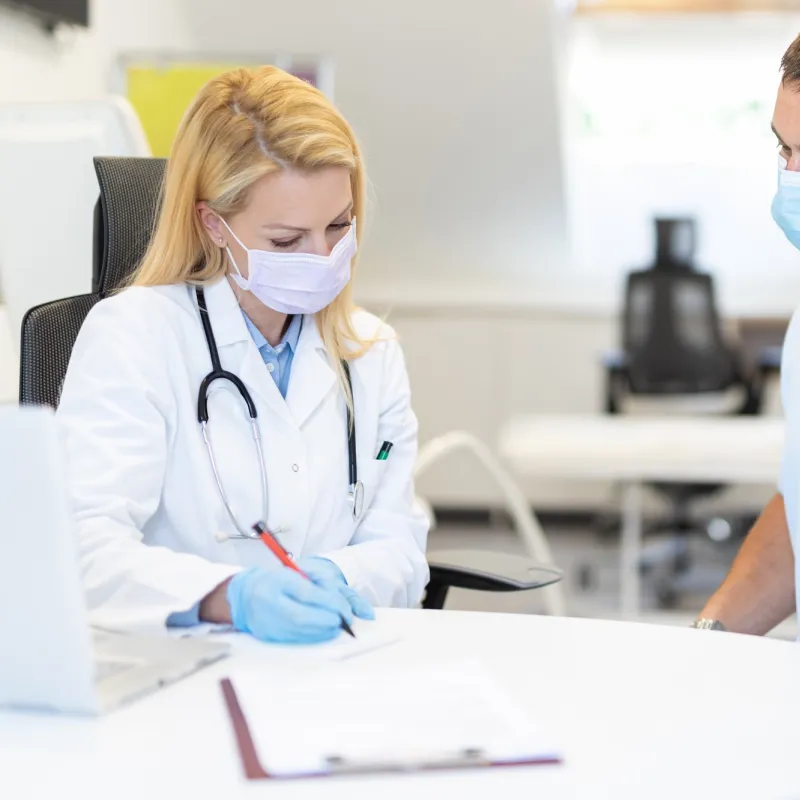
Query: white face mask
{"points": [[296, 283]]}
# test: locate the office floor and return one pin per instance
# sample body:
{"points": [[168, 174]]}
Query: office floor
{"points": [[573, 549]]}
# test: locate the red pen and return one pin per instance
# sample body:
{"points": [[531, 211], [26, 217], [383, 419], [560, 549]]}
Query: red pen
{"points": [[275, 548]]}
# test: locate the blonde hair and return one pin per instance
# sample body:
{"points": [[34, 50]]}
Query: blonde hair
{"points": [[243, 125]]}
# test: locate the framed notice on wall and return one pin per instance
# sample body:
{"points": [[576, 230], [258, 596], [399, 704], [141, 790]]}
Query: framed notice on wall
{"points": [[161, 86]]}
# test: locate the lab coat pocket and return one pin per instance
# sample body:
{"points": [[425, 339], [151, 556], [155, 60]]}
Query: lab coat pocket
{"points": [[373, 475]]}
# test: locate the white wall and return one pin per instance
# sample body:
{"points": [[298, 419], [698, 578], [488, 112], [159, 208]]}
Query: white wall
{"points": [[455, 103], [76, 64], [9, 368], [455, 106], [670, 115]]}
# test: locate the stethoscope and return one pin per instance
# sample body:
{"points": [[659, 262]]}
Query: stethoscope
{"points": [[355, 487]]}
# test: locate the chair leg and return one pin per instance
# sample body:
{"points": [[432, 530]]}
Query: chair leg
{"points": [[435, 595], [683, 557], [515, 501]]}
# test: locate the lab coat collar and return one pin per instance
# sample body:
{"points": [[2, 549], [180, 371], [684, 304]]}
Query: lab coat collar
{"points": [[312, 377], [225, 314], [237, 350]]}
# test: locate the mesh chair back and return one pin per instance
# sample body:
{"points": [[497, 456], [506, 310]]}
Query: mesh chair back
{"points": [[676, 242], [124, 218], [130, 190], [672, 335], [48, 335]]}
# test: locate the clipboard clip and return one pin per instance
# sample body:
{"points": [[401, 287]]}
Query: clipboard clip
{"points": [[416, 762]]}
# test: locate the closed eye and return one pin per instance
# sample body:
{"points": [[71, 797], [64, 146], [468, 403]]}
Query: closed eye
{"points": [[284, 245]]}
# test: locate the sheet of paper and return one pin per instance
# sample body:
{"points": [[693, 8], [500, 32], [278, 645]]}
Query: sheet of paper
{"points": [[386, 718], [203, 629], [369, 636]]}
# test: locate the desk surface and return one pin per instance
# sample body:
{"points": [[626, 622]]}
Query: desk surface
{"points": [[640, 712], [620, 448]]}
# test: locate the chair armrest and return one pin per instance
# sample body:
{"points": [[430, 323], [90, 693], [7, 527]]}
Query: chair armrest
{"points": [[524, 520], [616, 369], [484, 571], [769, 360], [768, 365], [614, 360]]}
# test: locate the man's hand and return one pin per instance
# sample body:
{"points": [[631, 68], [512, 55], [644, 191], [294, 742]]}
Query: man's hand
{"points": [[759, 590]]}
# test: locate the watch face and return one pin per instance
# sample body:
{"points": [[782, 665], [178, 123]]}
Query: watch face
{"points": [[708, 625]]}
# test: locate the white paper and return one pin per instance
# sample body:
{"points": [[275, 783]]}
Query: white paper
{"points": [[386, 717], [199, 630], [369, 636]]}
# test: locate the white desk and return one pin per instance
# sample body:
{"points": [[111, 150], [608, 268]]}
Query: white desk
{"points": [[641, 711], [635, 451]]}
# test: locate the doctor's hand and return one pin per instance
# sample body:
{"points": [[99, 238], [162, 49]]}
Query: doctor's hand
{"points": [[327, 575], [282, 606]]}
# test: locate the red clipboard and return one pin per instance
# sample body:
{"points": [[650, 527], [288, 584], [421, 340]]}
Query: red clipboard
{"points": [[253, 770]]}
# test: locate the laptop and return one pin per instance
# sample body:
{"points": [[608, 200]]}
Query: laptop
{"points": [[50, 658]]}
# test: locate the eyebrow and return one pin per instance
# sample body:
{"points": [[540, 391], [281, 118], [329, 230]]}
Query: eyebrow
{"points": [[276, 226], [778, 136]]}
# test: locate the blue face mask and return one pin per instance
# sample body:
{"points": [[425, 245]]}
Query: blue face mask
{"points": [[786, 205]]}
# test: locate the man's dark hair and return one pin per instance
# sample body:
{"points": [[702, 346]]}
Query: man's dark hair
{"points": [[790, 64]]}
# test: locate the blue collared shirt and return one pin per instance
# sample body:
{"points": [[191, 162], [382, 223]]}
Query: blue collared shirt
{"points": [[278, 361]]}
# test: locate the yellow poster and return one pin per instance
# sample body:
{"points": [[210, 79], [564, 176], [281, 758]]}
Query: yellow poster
{"points": [[161, 89], [161, 95]]}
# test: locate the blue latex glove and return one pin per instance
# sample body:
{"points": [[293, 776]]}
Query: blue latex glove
{"points": [[282, 606], [328, 575]]}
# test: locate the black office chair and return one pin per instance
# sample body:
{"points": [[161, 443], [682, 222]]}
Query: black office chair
{"points": [[124, 220], [673, 346]]}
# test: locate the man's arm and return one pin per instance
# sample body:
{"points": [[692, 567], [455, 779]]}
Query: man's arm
{"points": [[759, 590]]}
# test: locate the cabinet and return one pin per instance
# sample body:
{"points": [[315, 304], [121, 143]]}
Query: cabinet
{"points": [[472, 368]]}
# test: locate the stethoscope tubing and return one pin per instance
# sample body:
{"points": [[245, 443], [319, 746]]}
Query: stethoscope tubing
{"points": [[356, 488]]}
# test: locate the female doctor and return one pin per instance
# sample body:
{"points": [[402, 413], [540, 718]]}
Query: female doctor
{"points": [[234, 382]]}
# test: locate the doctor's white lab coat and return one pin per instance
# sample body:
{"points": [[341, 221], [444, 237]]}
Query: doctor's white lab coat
{"points": [[148, 511]]}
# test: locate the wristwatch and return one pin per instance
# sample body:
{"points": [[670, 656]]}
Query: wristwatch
{"points": [[706, 624]]}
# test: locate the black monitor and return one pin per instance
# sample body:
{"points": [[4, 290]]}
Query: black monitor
{"points": [[51, 12]]}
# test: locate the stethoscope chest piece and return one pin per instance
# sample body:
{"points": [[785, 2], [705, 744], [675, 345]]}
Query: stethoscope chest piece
{"points": [[357, 499]]}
